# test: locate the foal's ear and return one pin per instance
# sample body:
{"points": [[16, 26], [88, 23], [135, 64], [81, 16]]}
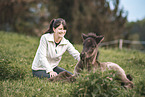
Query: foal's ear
{"points": [[99, 39], [84, 36]]}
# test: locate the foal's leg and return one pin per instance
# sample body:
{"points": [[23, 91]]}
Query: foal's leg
{"points": [[78, 68], [120, 73]]}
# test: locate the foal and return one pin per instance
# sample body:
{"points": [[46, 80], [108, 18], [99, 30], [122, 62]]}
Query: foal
{"points": [[88, 59]]}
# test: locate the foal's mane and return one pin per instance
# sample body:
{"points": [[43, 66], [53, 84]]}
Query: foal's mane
{"points": [[93, 35]]}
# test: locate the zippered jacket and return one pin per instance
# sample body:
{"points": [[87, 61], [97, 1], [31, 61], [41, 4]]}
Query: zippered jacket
{"points": [[48, 55]]}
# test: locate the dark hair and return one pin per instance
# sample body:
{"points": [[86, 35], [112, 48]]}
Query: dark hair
{"points": [[55, 23]]}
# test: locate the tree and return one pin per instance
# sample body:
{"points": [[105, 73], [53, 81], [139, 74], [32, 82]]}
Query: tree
{"points": [[20, 15], [135, 31], [96, 16], [82, 16]]}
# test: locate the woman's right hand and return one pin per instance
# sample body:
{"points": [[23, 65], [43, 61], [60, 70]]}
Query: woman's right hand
{"points": [[52, 73]]}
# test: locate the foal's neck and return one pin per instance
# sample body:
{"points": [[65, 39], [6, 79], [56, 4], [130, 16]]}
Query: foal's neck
{"points": [[95, 55]]}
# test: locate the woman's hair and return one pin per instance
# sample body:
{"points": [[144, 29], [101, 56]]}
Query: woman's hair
{"points": [[55, 23]]}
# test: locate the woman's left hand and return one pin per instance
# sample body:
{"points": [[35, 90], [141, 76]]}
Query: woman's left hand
{"points": [[52, 73]]}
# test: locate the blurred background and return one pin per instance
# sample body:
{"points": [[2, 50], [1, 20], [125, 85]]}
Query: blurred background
{"points": [[115, 19]]}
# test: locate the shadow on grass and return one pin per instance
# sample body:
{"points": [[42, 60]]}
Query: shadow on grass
{"points": [[11, 72]]}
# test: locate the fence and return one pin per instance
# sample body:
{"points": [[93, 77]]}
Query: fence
{"points": [[120, 43]]}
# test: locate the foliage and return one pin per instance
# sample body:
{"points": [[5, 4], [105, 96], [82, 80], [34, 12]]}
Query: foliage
{"points": [[82, 16], [136, 28], [85, 16], [18, 51], [96, 85], [135, 32], [21, 16]]}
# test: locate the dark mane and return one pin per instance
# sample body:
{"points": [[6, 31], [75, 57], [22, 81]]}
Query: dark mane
{"points": [[93, 35]]}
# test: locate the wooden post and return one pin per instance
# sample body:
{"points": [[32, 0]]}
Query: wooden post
{"points": [[120, 43]]}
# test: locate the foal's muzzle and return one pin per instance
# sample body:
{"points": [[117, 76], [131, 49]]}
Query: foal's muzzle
{"points": [[82, 56]]}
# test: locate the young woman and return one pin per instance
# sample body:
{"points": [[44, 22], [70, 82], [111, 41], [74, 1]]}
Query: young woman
{"points": [[51, 48]]}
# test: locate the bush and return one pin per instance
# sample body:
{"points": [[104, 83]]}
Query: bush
{"points": [[8, 71], [96, 85]]}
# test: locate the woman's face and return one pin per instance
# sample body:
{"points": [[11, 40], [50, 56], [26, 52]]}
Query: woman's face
{"points": [[59, 31]]}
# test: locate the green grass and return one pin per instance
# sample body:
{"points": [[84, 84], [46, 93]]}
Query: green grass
{"points": [[16, 56]]}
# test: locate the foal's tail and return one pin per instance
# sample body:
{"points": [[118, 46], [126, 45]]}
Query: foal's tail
{"points": [[129, 77]]}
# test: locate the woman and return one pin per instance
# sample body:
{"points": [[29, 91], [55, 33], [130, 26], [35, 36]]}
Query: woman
{"points": [[51, 48]]}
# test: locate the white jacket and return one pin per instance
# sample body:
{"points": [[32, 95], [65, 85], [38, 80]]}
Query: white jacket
{"points": [[48, 55]]}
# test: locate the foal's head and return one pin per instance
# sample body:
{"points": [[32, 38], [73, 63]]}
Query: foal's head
{"points": [[90, 45]]}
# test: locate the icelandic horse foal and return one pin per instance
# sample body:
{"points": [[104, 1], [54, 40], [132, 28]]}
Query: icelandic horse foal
{"points": [[88, 60]]}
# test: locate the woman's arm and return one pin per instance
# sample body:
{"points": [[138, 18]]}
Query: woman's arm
{"points": [[43, 54], [73, 51]]}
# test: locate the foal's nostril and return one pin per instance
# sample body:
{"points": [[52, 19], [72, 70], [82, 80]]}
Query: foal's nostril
{"points": [[82, 55]]}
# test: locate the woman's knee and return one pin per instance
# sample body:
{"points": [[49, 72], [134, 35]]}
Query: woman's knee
{"points": [[40, 74]]}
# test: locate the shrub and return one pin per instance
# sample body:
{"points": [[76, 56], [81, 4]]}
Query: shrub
{"points": [[96, 85]]}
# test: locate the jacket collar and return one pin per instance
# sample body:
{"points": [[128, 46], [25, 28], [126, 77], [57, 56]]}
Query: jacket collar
{"points": [[50, 38]]}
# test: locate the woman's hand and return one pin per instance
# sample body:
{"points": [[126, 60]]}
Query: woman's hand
{"points": [[52, 73]]}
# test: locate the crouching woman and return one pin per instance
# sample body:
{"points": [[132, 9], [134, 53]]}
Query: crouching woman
{"points": [[51, 48]]}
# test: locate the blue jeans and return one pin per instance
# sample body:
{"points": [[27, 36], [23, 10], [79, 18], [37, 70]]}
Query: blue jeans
{"points": [[43, 74]]}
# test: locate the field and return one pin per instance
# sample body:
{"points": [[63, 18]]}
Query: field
{"points": [[16, 56]]}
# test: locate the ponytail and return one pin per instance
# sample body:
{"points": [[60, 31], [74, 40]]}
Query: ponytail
{"points": [[54, 23], [50, 29]]}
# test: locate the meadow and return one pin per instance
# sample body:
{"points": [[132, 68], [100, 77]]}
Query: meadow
{"points": [[16, 55]]}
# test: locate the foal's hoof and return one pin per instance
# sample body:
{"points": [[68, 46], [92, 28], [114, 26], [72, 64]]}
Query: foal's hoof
{"points": [[63, 76], [128, 85]]}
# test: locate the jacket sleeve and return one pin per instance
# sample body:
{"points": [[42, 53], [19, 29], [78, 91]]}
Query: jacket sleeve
{"points": [[43, 54], [73, 51]]}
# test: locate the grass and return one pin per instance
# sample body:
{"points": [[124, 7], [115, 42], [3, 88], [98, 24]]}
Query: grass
{"points": [[16, 55]]}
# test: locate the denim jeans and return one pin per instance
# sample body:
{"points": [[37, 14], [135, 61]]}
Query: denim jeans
{"points": [[43, 74]]}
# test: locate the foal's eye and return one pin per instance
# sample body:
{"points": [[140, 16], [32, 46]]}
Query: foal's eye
{"points": [[93, 47]]}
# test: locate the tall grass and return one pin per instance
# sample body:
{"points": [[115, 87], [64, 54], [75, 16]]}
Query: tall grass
{"points": [[16, 56]]}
